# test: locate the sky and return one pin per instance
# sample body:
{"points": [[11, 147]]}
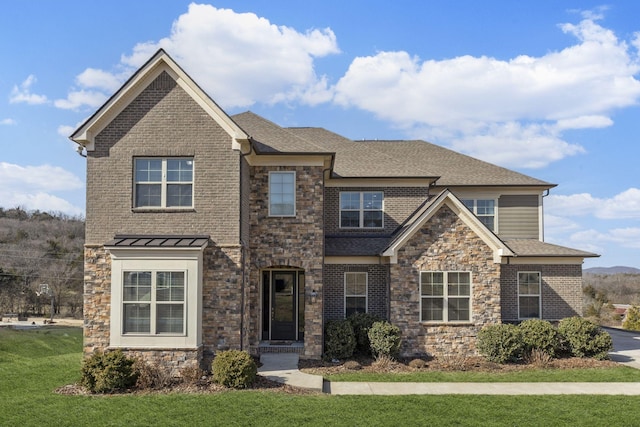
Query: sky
{"points": [[549, 89]]}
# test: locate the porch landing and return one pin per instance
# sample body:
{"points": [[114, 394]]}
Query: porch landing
{"points": [[278, 347]]}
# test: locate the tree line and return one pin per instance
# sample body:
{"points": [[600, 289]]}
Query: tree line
{"points": [[37, 249], [601, 291]]}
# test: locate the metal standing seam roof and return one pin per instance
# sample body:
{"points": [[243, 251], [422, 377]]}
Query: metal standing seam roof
{"points": [[158, 241]]}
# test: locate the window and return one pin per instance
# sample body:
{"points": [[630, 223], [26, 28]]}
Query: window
{"points": [[485, 210], [282, 193], [529, 295], [153, 302], [156, 298], [361, 209], [163, 183], [355, 293], [445, 296]]}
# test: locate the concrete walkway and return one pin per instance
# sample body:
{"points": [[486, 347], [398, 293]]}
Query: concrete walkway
{"points": [[283, 368]]}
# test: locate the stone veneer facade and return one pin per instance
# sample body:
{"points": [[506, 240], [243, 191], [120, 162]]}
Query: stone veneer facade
{"points": [[290, 242], [444, 243]]}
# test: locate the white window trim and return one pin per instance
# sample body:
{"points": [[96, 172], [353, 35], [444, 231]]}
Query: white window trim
{"points": [[366, 291], [163, 184], [475, 209], [129, 259], [295, 186], [445, 297], [361, 211], [539, 294]]}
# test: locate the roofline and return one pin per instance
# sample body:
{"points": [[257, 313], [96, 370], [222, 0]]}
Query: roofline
{"points": [[434, 178], [83, 135]]}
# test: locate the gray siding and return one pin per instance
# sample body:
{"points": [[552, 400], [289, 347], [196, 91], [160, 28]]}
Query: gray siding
{"points": [[518, 217]]}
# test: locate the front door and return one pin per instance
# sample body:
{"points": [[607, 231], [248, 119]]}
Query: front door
{"points": [[283, 310], [283, 301]]}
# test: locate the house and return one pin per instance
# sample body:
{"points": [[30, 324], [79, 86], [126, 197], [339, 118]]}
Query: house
{"points": [[206, 231]]}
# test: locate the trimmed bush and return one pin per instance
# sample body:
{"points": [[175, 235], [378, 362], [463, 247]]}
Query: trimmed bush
{"points": [[361, 323], [500, 343], [234, 368], [339, 339], [541, 335], [108, 372], [585, 338], [632, 319], [385, 339]]}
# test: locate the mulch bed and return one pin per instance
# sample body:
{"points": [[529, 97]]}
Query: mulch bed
{"points": [[205, 385]]}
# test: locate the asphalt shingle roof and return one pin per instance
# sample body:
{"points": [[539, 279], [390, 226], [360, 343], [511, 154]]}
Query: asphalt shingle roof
{"points": [[381, 159], [536, 248]]}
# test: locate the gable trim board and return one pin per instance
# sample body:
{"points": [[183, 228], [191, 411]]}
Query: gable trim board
{"points": [[138, 82], [423, 215]]}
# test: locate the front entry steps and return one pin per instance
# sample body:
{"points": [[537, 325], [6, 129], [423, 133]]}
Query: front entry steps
{"points": [[273, 346]]}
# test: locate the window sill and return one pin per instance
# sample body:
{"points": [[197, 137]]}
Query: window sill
{"points": [[162, 210], [447, 323]]}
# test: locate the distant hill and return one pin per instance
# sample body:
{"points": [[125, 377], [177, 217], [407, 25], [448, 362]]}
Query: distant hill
{"points": [[611, 270]]}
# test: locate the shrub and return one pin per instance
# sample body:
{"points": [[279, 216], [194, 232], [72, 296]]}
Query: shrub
{"points": [[385, 339], [234, 368], [500, 343], [151, 375], [418, 364], [541, 335], [632, 319], [361, 323], [108, 372], [339, 341], [352, 365], [584, 338]]}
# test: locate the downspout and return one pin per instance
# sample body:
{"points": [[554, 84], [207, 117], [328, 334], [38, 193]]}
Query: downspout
{"points": [[542, 215]]}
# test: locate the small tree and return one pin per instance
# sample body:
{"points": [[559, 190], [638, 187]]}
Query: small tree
{"points": [[632, 319]]}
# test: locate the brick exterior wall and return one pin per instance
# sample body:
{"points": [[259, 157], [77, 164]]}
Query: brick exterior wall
{"points": [[296, 242], [377, 289], [444, 243], [163, 121], [561, 290], [399, 203]]}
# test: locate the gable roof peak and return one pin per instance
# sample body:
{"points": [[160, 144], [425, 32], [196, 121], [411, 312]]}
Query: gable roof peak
{"points": [[159, 62]]}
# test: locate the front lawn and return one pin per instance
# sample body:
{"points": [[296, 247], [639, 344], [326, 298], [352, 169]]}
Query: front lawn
{"points": [[34, 363]]}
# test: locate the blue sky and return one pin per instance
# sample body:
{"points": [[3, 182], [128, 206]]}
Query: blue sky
{"points": [[550, 89]]}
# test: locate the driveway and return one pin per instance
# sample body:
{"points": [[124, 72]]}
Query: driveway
{"points": [[626, 347]]}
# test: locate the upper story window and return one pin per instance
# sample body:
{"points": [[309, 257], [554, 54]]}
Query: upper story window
{"points": [[485, 210], [361, 209], [163, 183], [445, 296], [282, 193], [529, 294]]}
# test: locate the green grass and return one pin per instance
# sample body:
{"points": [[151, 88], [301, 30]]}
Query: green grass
{"points": [[617, 374], [33, 363]]}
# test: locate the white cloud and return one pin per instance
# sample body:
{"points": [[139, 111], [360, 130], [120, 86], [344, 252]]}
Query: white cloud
{"points": [[78, 99], [238, 58], [22, 93], [33, 187], [511, 112], [624, 237], [44, 177], [65, 130], [100, 79], [625, 205], [7, 122]]}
